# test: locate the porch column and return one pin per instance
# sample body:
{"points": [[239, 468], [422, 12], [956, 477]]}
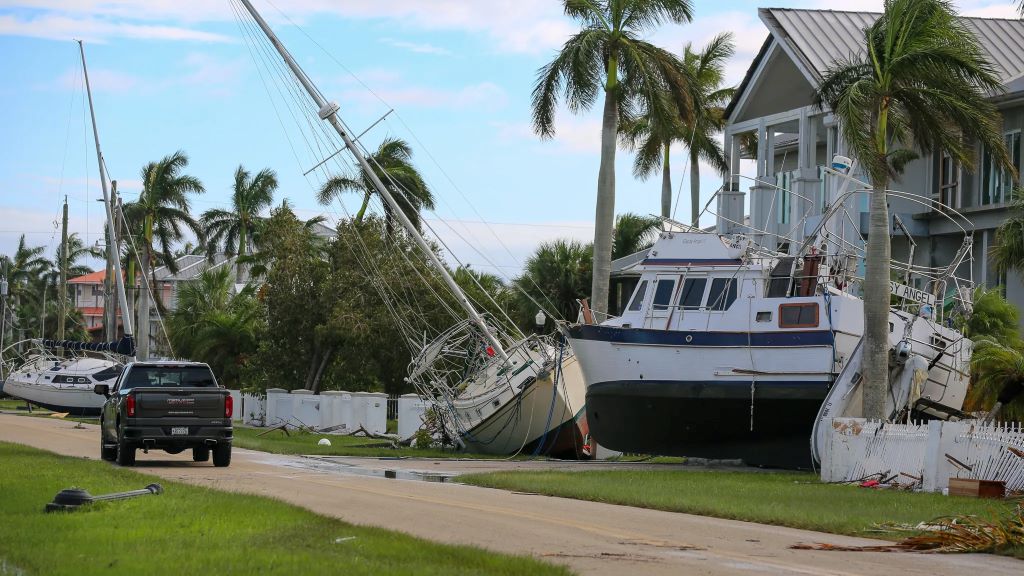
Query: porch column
{"points": [[806, 184], [730, 199], [764, 196]]}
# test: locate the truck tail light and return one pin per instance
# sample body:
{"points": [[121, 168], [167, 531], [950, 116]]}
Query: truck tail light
{"points": [[129, 404], [229, 406]]}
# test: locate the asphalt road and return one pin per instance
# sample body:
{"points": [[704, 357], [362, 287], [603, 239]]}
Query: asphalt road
{"points": [[590, 537]]}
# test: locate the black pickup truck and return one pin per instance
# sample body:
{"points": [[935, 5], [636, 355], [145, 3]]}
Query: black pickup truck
{"points": [[173, 406]]}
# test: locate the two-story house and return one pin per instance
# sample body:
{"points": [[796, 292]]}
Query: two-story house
{"points": [[774, 107]]}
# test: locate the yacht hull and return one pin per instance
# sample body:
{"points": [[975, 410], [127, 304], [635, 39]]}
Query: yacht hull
{"points": [[61, 386], [77, 401]]}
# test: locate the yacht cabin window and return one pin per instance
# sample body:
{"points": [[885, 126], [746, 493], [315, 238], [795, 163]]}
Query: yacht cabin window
{"points": [[663, 293], [798, 315], [638, 297], [692, 293], [722, 294]]}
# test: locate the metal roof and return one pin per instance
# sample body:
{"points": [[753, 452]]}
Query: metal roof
{"points": [[815, 39], [820, 37], [190, 266]]}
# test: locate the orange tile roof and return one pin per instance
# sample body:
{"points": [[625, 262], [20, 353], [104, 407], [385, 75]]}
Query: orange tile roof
{"points": [[91, 311], [91, 278]]}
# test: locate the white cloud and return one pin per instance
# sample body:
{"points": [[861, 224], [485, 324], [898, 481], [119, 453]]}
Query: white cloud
{"points": [[530, 26], [485, 95], [59, 27], [419, 48]]}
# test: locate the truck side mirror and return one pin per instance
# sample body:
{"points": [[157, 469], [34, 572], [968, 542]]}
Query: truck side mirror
{"points": [[102, 389]]}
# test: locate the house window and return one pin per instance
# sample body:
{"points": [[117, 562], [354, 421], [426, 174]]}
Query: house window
{"points": [[692, 293], [949, 183], [783, 180], [663, 293], [798, 315], [638, 297], [722, 294], [997, 183], [97, 290]]}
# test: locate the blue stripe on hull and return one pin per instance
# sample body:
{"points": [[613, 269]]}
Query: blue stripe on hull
{"points": [[618, 335], [712, 389]]}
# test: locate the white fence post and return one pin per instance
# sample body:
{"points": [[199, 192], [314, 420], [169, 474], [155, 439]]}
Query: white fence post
{"points": [[279, 406]]}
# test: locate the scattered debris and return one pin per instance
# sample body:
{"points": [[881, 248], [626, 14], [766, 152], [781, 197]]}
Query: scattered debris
{"points": [[344, 539], [60, 415], [947, 534], [73, 498]]}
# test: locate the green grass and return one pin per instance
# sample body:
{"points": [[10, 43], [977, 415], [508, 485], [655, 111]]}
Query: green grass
{"points": [[193, 530], [296, 442], [11, 404], [797, 500]]}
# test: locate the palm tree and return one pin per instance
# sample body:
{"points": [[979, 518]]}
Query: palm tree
{"points": [[163, 212], [215, 326], [22, 270], [555, 277], [392, 162], [994, 365], [653, 139], [633, 233], [609, 55], [76, 251], [1008, 251], [234, 229], [920, 83]]}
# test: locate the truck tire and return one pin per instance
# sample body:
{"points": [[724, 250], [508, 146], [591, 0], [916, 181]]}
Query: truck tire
{"points": [[125, 453], [222, 455], [107, 453], [201, 454]]}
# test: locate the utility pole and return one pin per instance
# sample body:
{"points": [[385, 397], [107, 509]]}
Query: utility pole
{"points": [[109, 300], [3, 316], [62, 293]]}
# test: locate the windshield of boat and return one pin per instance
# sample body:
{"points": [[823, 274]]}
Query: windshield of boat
{"points": [[168, 377]]}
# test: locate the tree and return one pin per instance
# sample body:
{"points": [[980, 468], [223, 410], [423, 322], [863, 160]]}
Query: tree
{"points": [[162, 211], [22, 269], [1008, 251], [992, 317], [233, 230], [213, 325], [652, 139], [76, 251], [633, 233], [392, 162], [921, 83], [609, 55], [555, 277], [995, 364]]}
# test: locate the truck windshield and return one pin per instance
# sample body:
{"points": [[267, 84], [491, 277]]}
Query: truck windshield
{"points": [[168, 377]]}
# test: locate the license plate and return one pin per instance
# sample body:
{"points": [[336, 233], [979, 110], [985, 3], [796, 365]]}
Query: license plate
{"points": [[179, 431]]}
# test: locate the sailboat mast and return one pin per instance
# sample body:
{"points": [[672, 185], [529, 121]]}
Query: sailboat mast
{"points": [[328, 112], [122, 300], [62, 291]]}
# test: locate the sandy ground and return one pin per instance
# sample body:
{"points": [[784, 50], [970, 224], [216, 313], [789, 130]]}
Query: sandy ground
{"points": [[590, 537]]}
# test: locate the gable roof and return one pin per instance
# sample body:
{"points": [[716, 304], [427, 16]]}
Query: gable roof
{"points": [[90, 278], [814, 39]]}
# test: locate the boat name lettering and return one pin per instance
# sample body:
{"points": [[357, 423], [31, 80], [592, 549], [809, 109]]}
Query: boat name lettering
{"points": [[911, 293]]}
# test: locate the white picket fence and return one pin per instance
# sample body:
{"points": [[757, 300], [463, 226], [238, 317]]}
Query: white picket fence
{"points": [[930, 453], [338, 412]]}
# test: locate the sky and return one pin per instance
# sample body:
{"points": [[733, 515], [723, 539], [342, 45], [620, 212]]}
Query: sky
{"points": [[172, 75]]}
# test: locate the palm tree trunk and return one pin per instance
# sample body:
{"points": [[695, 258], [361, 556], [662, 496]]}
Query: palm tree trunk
{"points": [[318, 378], [666, 184], [694, 189], [362, 209], [144, 305], [241, 253], [876, 306], [604, 219]]}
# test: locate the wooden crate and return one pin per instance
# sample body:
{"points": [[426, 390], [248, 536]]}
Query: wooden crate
{"points": [[977, 488]]}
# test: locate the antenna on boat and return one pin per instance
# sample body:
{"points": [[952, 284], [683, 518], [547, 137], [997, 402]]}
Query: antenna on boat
{"points": [[122, 299], [328, 112]]}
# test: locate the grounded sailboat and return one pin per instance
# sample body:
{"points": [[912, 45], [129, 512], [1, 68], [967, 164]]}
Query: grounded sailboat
{"points": [[494, 389], [728, 350], [58, 374]]}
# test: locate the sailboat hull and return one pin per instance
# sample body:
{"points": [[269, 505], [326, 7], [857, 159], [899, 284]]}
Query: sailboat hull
{"points": [[545, 418], [61, 386]]}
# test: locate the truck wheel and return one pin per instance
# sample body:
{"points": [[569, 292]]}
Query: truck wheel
{"points": [[108, 453], [125, 453], [201, 454], [222, 455]]}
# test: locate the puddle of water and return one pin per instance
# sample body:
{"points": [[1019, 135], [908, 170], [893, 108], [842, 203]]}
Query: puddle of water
{"points": [[323, 465]]}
